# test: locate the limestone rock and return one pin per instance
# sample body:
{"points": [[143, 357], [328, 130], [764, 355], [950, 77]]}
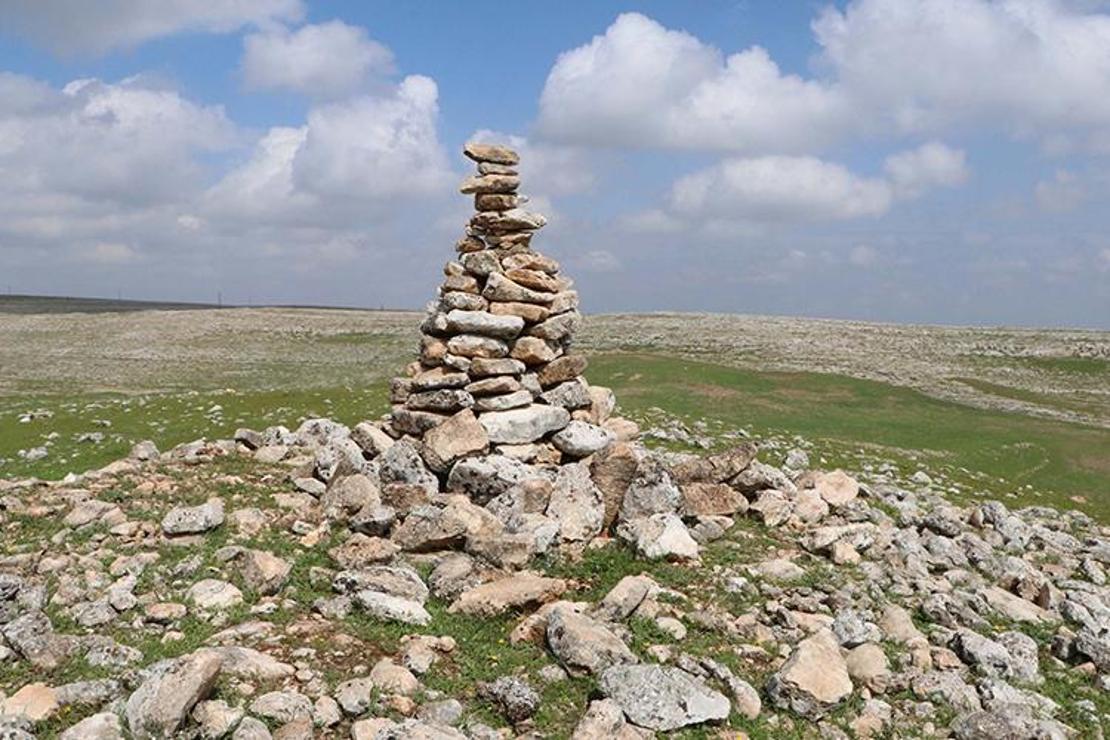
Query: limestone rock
{"points": [[194, 519], [520, 426], [459, 436], [515, 592], [814, 679], [164, 699], [583, 645], [662, 699]]}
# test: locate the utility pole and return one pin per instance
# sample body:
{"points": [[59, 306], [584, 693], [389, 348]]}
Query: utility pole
{"points": [[219, 299]]}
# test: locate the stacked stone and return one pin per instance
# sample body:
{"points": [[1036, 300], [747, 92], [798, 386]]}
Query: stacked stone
{"points": [[496, 372]]}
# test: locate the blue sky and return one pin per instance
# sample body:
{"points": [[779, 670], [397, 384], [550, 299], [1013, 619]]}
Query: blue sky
{"points": [[936, 161]]}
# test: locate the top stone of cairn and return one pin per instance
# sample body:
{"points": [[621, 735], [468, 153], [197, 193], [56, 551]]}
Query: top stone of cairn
{"points": [[491, 153]]}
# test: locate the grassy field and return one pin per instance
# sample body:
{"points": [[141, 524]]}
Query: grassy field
{"points": [[849, 421]]}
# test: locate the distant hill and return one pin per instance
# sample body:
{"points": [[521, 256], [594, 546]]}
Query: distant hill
{"points": [[32, 304]]}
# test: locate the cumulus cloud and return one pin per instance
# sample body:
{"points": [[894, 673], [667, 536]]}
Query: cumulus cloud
{"points": [[321, 60], [1033, 66], [777, 188], [798, 189], [640, 84], [352, 153], [931, 165], [1028, 67], [96, 27], [94, 158]]}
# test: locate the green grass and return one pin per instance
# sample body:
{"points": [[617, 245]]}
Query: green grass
{"points": [[987, 453], [841, 415], [168, 419], [1077, 401]]}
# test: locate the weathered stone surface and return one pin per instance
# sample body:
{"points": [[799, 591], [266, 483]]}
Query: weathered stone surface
{"points": [[102, 726], [430, 528], [264, 572], [164, 699], [458, 437], [613, 470], [500, 288], [514, 400], [494, 153], [484, 324], [390, 607], [214, 594], [837, 487], [515, 592], [712, 499], [650, 491], [483, 367], [513, 219], [194, 519], [660, 536], [490, 184], [534, 351], [530, 312], [520, 426], [814, 679], [35, 702], [662, 699], [475, 345], [581, 439], [576, 504], [583, 645], [562, 369], [517, 700]]}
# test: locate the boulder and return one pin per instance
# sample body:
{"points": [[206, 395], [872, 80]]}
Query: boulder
{"points": [[459, 436], [583, 645], [814, 679], [523, 425], [662, 698], [163, 700], [523, 590], [580, 439], [194, 519]]}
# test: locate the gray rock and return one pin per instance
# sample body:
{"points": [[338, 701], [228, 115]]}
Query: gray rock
{"points": [[523, 425], [580, 439], [402, 463], [514, 697], [32, 636], [651, 491], [662, 699], [576, 504], [103, 726], [164, 699], [282, 706], [485, 324], [584, 645], [392, 608], [194, 519]]}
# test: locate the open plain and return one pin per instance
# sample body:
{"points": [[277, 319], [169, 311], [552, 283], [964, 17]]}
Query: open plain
{"points": [[248, 584]]}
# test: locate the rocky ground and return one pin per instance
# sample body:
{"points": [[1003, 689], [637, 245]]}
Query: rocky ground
{"points": [[1052, 373], [317, 583]]}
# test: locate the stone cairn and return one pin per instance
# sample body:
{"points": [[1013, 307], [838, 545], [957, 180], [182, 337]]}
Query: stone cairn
{"points": [[496, 372]]}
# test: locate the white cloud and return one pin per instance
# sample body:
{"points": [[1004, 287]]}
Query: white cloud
{"points": [[375, 146], [798, 189], [641, 84], [321, 60], [93, 154], [350, 156], [1027, 68], [1064, 192], [81, 27], [931, 165], [779, 189]]}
